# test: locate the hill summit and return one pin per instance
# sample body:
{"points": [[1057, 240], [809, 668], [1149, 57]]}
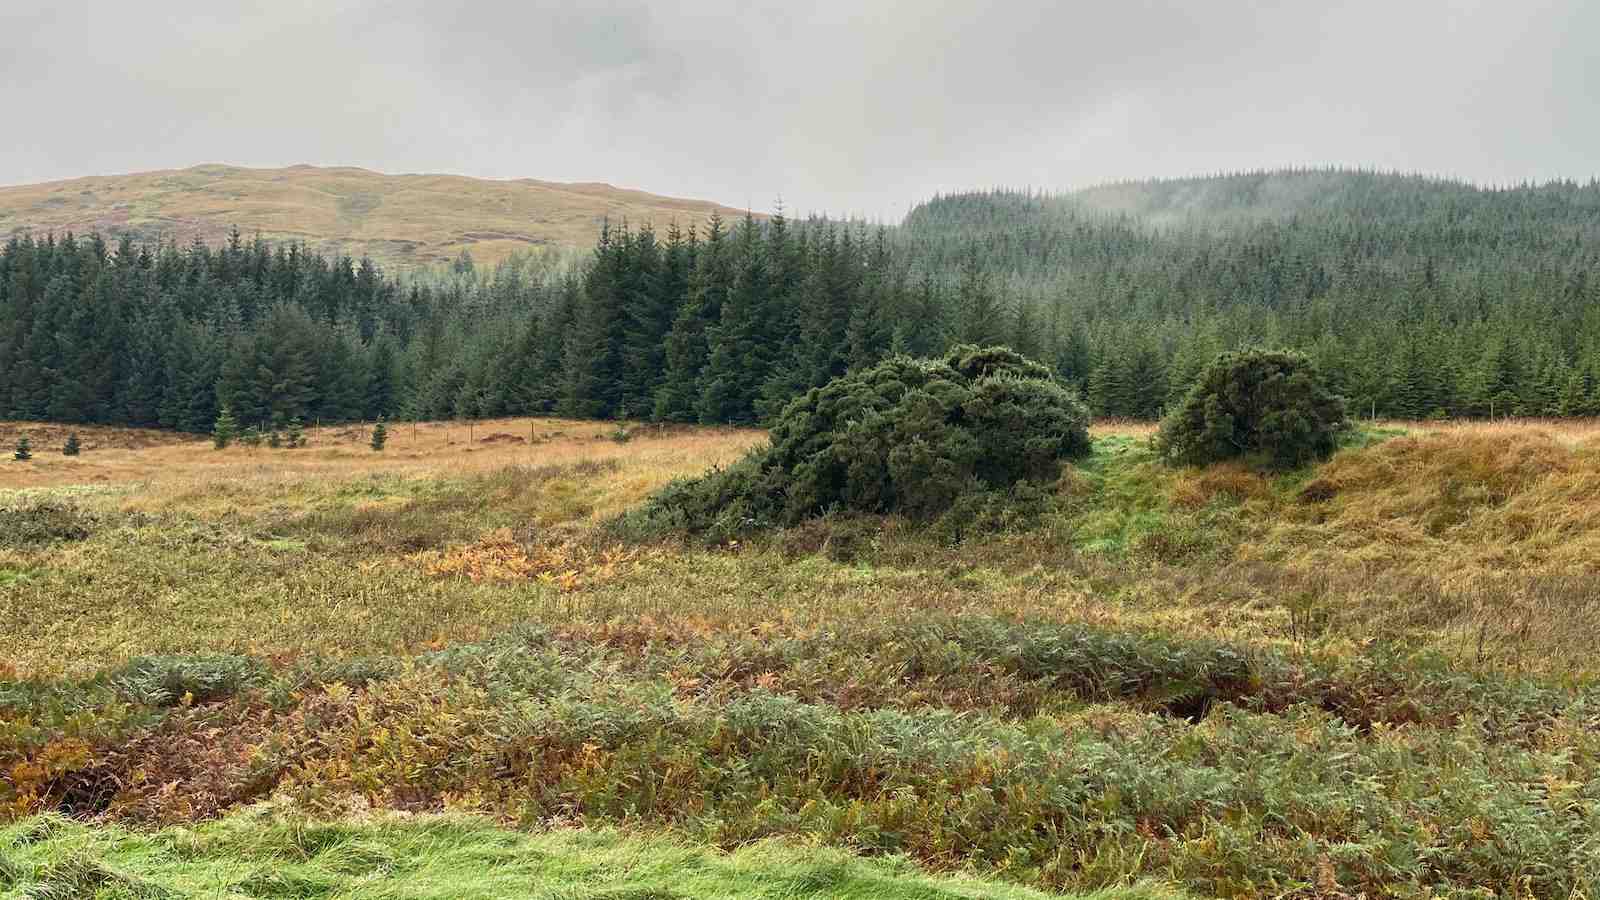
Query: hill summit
{"points": [[404, 220]]}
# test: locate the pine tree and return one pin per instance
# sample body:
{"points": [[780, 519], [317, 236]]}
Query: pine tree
{"points": [[297, 433], [738, 357], [71, 447], [981, 317], [678, 398], [380, 435], [223, 432], [652, 291], [592, 362], [24, 449]]}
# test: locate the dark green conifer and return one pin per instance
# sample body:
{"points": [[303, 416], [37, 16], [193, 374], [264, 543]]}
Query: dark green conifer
{"points": [[225, 429]]}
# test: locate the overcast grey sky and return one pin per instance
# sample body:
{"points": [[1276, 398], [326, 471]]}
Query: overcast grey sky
{"points": [[843, 106]]}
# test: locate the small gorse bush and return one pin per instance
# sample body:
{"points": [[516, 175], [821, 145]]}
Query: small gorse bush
{"points": [[1269, 406]]}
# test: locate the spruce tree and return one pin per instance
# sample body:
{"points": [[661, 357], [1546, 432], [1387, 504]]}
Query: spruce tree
{"points": [[297, 433], [981, 319], [592, 363], [739, 356], [71, 447], [24, 449], [223, 432], [678, 398], [380, 435]]}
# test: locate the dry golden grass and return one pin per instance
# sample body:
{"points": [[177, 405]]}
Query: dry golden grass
{"points": [[1130, 427], [329, 548], [1482, 541], [1571, 432], [396, 219], [168, 467]]}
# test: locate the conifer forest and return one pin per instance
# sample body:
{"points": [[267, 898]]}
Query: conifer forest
{"points": [[1418, 297]]}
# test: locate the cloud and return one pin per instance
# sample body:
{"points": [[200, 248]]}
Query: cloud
{"points": [[847, 107]]}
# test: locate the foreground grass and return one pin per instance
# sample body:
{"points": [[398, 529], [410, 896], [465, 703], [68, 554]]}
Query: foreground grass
{"points": [[1050, 755], [1373, 676], [260, 855]]}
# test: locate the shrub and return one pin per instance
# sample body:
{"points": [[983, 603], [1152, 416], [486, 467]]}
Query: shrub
{"points": [[172, 680], [42, 521], [1262, 404], [71, 447], [24, 449], [908, 436]]}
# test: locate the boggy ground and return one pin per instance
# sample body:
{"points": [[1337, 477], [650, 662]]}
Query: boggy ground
{"points": [[1375, 676]]}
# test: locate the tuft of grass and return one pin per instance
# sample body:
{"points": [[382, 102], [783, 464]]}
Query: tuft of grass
{"points": [[174, 680]]}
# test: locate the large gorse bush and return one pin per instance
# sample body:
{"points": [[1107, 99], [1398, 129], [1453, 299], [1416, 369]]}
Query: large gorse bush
{"points": [[906, 436]]}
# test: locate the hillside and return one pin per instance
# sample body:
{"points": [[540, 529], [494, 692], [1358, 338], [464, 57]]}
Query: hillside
{"points": [[396, 219]]}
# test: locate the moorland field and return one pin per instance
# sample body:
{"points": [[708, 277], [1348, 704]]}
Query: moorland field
{"points": [[444, 670]]}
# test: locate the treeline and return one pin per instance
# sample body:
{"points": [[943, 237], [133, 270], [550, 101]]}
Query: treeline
{"points": [[711, 325], [163, 336], [1418, 297]]}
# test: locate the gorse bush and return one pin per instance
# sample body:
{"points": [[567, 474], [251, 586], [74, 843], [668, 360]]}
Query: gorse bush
{"points": [[1270, 405], [908, 436], [42, 521]]}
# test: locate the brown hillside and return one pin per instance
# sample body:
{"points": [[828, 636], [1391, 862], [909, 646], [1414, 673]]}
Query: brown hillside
{"points": [[403, 220]]}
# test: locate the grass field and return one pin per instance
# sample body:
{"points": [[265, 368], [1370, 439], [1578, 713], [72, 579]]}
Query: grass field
{"points": [[366, 670], [398, 220]]}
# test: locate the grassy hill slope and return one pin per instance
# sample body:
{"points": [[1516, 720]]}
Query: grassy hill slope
{"points": [[396, 219]]}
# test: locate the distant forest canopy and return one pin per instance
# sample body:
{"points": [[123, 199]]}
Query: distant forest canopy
{"points": [[1419, 297]]}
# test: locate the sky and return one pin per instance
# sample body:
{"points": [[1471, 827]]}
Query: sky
{"points": [[847, 107]]}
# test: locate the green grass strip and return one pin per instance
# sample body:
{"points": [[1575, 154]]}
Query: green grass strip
{"points": [[257, 854]]}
